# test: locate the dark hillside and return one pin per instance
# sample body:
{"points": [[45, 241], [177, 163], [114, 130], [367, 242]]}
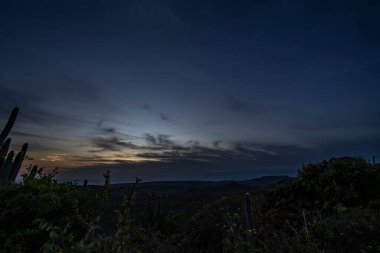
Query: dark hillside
{"points": [[331, 206]]}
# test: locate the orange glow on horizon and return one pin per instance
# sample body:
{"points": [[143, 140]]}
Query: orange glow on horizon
{"points": [[73, 161]]}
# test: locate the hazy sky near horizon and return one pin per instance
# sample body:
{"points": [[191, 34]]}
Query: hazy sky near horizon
{"points": [[168, 90]]}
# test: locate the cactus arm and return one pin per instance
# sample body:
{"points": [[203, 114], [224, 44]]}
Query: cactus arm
{"points": [[18, 161], [33, 172], [9, 168], [16, 166], [6, 169], [9, 125], [5, 147], [2, 160], [24, 148], [3, 153]]}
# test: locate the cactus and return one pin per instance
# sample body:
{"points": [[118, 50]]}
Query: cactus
{"points": [[7, 166], [10, 167], [3, 152], [5, 147], [9, 125], [106, 187], [32, 172], [248, 213]]}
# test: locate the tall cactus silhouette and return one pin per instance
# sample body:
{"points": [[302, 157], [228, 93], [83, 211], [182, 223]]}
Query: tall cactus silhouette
{"points": [[248, 213], [9, 125], [10, 167]]}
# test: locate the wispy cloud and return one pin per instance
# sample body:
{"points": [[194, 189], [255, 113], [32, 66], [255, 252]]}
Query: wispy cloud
{"points": [[161, 147], [164, 117], [37, 136], [109, 130], [111, 144], [238, 105]]}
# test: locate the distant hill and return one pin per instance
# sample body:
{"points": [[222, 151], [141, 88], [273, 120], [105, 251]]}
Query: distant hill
{"points": [[181, 193], [266, 181], [225, 186]]}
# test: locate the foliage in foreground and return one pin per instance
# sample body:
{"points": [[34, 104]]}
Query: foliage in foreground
{"points": [[39, 208], [332, 206]]}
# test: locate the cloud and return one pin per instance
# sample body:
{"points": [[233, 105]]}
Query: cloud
{"points": [[161, 141], [154, 143], [162, 148], [164, 117], [100, 122], [109, 130], [240, 106], [37, 136], [240, 150], [147, 107], [164, 140], [216, 144], [51, 106], [111, 144], [151, 139]]}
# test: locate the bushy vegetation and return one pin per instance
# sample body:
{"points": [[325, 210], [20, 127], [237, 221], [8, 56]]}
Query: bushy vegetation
{"points": [[36, 213], [332, 206]]}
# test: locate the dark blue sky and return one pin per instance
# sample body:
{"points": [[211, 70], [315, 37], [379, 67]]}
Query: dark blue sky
{"points": [[170, 90]]}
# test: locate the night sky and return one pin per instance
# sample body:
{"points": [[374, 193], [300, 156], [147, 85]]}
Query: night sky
{"points": [[178, 90]]}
